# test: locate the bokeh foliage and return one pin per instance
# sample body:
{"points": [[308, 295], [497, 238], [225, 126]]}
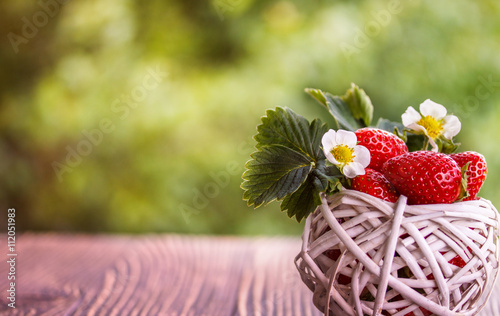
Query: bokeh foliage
{"points": [[173, 161]]}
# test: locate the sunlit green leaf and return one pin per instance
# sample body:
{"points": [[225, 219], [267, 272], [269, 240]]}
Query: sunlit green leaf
{"points": [[317, 94], [359, 104], [288, 149], [273, 173], [341, 112], [284, 127], [351, 111]]}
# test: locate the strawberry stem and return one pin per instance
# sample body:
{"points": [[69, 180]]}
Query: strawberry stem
{"points": [[426, 143]]}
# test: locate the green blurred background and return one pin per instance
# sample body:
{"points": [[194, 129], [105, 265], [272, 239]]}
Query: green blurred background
{"points": [[121, 116]]}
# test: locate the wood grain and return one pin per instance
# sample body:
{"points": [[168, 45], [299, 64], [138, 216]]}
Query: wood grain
{"points": [[159, 275]]}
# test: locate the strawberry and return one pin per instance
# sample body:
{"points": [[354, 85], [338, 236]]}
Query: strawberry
{"points": [[476, 172], [423, 310], [375, 184], [381, 144], [334, 254], [425, 177], [457, 261]]}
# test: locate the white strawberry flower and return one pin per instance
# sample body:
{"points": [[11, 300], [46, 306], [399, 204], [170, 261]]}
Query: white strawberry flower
{"points": [[341, 149], [432, 121]]}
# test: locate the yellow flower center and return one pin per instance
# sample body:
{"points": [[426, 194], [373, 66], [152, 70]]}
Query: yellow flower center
{"points": [[343, 154], [431, 125]]}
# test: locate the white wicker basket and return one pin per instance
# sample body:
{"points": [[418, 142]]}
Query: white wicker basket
{"points": [[364, 256]]}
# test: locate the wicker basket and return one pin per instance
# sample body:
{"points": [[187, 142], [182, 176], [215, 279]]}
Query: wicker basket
{"points": [[364, 256]]}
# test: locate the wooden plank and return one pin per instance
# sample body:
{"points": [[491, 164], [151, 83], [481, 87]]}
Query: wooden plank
{"points": [[159, 275], [156, 275]]}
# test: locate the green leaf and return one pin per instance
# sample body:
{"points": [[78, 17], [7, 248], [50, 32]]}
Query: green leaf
{"points": [[327, 177], [303, 201], [324, 178], [447, 146], [337, 108], [317, 129], [352, 111], [273, 173], [464, 193], [415, 142], [286, 128], [341, 113], [360, 105], [317, 94], [390, 126], [288, 149]]}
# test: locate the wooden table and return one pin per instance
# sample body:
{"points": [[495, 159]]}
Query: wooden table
{"points": [[159, 275]]}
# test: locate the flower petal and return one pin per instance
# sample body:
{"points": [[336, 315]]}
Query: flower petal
{"points": [[435, 147], [362, 155], [346, 138], [417, 128], [353, 169], [431, 108], [330, 158], [411, 116], [451, 126], [328, 141]]}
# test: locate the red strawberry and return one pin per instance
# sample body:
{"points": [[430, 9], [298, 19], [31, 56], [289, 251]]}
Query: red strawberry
{"points": [[334, 254], [423, 310], [425, 177], [476, 172], [375, 184], [381, 144], [457, 261]]}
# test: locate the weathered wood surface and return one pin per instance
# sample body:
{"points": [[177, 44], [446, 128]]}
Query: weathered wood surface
{"points": [[156, 275], [159, 275]]}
